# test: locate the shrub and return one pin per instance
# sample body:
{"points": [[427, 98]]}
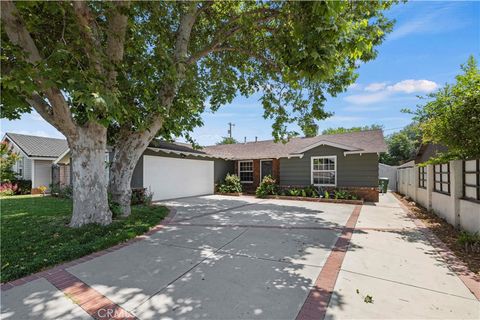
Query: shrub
{"points": [[24, 186], [61, 191], [42, 189], [138, 195], [294, 192], [311, 191], [231, 184], [268, 186], [343, 194], [141, 196], [470, 241], [8, 189]]}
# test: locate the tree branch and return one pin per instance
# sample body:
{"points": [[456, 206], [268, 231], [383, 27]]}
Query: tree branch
{"points": [[87, 27], [225, 33], [117, 29], [59, 113]]}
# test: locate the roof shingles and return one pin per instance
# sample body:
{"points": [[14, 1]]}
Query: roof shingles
{"points": [[370, 141], [34, 146]]}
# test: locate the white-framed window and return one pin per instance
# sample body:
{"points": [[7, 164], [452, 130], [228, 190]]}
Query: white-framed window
{"points": [[18, 168], [324, 171], [245, 171]]}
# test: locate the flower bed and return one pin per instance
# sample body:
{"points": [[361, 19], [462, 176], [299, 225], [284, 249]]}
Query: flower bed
{"points": [[345, 201]]}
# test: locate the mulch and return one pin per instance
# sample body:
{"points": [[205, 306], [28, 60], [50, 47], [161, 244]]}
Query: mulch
{"points": [[444, 231]]}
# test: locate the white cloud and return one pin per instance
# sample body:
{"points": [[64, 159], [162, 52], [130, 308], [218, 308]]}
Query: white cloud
{"points": [[367, 98], [411, 86], [381, 91], [344, 119], [376, 86]]}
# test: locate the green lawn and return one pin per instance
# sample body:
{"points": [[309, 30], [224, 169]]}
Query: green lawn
{"points": [[35, 235]]}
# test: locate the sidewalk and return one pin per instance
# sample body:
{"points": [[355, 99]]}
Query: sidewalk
{"points": [[392, 261]]}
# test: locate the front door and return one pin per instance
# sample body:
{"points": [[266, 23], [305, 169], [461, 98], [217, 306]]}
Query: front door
{"points": [[267, 168]]}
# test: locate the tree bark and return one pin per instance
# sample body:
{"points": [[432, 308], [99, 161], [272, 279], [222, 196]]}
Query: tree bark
{"points": [[89, 180], [131, 145], [126, 154]]}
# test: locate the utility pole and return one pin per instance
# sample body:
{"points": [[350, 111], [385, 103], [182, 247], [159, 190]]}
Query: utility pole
{"points": [[230, 125]]}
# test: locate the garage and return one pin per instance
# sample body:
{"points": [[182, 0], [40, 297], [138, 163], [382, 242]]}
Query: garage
{"points": [[171, 177]]}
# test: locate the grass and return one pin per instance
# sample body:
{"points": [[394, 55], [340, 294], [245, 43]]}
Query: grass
{"points": [[35, 235]]}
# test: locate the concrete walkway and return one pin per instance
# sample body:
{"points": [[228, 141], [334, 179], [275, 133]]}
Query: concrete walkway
{"points": [[246, 258]]}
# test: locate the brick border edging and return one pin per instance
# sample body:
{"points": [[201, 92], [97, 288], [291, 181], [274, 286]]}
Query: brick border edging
{"points": [[61, 267], [469, 279], [316, 304], [298, 198], [90, 300]]}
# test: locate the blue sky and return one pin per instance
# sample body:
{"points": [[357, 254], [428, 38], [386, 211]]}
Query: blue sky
{"points": [[429, 43]]}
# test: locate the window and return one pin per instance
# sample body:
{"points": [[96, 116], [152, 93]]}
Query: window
{"points": [[422, 177], [19, 166], [245, 171], [324, 171], [441, 173], [471, 179]]}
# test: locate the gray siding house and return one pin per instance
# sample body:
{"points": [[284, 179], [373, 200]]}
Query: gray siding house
{"points": [[37, 155], [173, 170], [347, 161]]}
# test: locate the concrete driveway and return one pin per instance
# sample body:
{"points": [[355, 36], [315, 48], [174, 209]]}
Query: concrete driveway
{"points": [[246, 258]]}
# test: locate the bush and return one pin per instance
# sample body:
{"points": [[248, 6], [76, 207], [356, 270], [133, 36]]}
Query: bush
{"points": [[268, 186], [61, 191], [24, 186], [311, 191], [469, 241], [42, 189], [343, 194], [141, 196], [231, 184], [294, 192], [8, 189]]}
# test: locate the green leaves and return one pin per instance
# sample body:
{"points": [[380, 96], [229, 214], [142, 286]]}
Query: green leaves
{"points": [[451, 117], [294, 53]]}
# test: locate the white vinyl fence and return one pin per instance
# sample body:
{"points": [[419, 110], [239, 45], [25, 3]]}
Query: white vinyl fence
{"points": [[451, 190], [390, 172]]}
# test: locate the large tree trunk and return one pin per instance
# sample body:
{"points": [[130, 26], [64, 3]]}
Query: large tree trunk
{"points": [[126, 154], [89, 181]]}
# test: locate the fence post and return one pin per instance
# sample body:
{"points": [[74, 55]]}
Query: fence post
{"points": [[456, 183], [430, 183], [415, 182]]}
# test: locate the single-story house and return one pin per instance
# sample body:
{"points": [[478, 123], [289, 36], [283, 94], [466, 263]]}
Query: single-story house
{"points": [[347, 161], [37, 155], [174, 170]]}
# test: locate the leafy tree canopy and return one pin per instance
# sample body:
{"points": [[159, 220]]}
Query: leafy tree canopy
{"points": [[7, 160], [309, 127], [294, 52], [402, 145], [227, 140], [352, 129], [452, 117]]}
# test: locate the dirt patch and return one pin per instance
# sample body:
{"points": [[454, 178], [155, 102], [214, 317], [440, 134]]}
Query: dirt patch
{"points": [[444, 231]]}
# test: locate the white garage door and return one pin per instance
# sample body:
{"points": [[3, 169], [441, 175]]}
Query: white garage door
{"points": [[170, 178]]}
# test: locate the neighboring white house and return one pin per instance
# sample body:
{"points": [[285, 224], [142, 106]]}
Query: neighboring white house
{"points": [[37, 155]]}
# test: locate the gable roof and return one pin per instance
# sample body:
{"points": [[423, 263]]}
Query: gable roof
{"points": [[35, 146], [370, 141]]}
